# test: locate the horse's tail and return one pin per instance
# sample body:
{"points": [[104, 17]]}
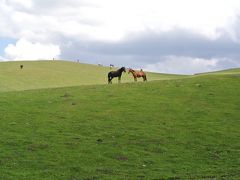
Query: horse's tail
{"points": [[109, 77]]}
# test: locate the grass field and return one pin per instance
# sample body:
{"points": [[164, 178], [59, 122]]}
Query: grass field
{"points": [[49, 74], [171, 129], [223, 72]]}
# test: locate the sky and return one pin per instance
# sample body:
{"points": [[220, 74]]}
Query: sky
{"points": [[167, 36]]}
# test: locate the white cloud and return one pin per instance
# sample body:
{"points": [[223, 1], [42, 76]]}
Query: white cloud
{"points": [[43, 26], [20, 3], [26, 50], [204, 17], [183, 65], [111, 19]]}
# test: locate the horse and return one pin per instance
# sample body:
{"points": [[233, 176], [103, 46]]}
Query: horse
{"points": [[117, 73], [138, 74], [111, 66]]}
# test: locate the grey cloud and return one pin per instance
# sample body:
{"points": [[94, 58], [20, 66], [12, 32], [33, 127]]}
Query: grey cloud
{"points": [[177, 42], [151, 48], [59, 6], [58, 3], [139, 49], [236, 27], [64, 10], [41, 6]]}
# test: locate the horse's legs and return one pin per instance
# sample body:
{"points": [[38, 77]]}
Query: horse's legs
{"points": [[144, 78], [119, 79], [135, 79], [110, 80]]}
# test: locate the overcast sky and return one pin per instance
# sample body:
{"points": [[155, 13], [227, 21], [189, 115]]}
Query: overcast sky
{"points": [[169, 36]]}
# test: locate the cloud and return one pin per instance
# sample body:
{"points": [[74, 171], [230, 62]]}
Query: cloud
{"points": [[2, 58], [18, 4], [111, 20], [150, 48], [183, 65], [189, 65], [132, 33], [178, 42], [26, 50]]}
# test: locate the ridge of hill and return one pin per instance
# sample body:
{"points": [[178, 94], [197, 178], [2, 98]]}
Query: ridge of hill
{"points": [[52, 74], [225, 71]]}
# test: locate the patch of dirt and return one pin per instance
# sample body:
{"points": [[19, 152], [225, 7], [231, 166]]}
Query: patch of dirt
{"points": [[122, 158], [65, 95], [35, 147]]}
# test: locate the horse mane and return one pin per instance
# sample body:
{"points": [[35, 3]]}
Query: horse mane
{"points": [[122, 68]]}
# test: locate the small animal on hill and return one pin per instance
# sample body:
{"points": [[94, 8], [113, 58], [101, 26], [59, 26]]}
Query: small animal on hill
{"points": [[117, 73], [111, 66], [137, 74], [21, 66]]}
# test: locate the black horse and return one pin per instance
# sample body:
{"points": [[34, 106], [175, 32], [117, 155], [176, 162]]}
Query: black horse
{"points": [[117, 73]]}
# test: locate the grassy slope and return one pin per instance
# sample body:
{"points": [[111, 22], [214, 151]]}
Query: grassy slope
{"points": [[48, 74], [186, 129], [223, 72]]}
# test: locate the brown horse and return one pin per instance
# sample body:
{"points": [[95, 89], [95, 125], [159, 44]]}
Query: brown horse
{"points": [[138, 74]]}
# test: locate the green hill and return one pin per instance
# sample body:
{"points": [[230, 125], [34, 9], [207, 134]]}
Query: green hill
{"points": [[173, 129], [223, 72], [49, 74]]}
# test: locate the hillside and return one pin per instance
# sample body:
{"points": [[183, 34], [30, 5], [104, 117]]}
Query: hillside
{"points": [[49, 74], [173, 129], [223, 72]]}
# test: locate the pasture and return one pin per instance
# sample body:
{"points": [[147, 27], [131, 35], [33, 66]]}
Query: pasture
{"points": [[50, 74], [175, 127]]}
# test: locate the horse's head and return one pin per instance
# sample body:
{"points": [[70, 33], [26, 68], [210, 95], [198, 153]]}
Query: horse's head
{"points": [[130, 70], [123, 69]]}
